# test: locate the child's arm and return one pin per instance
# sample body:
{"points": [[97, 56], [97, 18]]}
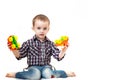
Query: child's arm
{"points": [[21, 52], [63, 41], [14, 46], [62, 53], [16, 53]]}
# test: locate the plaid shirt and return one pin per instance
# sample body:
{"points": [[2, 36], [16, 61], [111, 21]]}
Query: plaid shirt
{"points": [[37, 52]]}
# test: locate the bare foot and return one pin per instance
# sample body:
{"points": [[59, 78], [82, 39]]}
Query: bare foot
{"points": [[10, 75], [70, 74]]}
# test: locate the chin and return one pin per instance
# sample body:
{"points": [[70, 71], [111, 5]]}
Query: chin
{"points": [[41, 37]]}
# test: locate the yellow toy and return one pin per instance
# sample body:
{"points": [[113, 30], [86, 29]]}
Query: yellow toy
{"points": [[12, 42], [63, 41]]}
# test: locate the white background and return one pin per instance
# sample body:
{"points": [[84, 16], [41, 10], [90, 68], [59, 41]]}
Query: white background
{"points": [[93, 28]]}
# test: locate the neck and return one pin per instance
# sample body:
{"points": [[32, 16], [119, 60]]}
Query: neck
{"points": [[41, 39]]}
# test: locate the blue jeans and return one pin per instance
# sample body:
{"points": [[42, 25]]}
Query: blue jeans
{"points": [[38, 72]]}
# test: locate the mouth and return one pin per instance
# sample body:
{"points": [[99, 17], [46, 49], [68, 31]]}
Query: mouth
{"points": [[41, 34]]}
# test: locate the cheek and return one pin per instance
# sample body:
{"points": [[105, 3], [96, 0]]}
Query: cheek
{"points": [[36, 31], [46, 31]]}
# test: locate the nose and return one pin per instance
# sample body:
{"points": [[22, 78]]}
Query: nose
{"points": [[41, 30]]}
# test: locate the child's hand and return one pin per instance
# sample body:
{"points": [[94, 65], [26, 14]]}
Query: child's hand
{"points": [[65, 47], [9, 45], [63, 50]]}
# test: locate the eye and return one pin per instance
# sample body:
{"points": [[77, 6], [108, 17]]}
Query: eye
{"points": [[45, 28], [38, 28]]}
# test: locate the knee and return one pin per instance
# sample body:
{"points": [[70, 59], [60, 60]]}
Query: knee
{"points": [[35, 74], [47, 73], [31, 74]]}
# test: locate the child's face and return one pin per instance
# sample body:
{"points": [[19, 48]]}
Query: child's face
{"points": [[41, 28]]}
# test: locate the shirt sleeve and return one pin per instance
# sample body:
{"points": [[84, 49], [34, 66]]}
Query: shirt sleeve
{"points": [[55, 52], [23, 50]]}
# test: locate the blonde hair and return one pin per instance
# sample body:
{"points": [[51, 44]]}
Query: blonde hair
{"points": [[40, 17]]}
